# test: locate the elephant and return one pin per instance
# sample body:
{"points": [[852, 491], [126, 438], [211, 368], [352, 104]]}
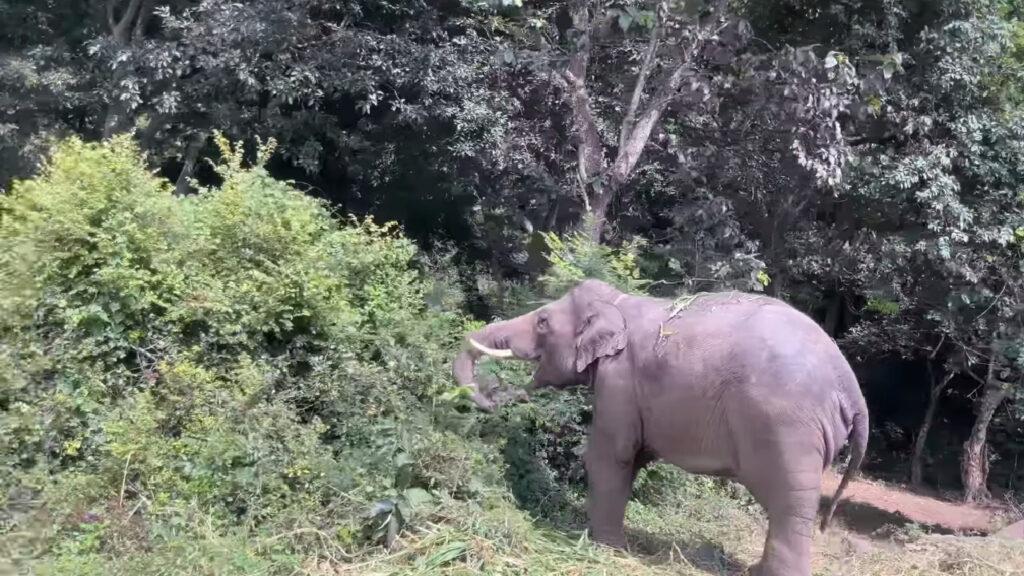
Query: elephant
{"points": [[730, 384]]}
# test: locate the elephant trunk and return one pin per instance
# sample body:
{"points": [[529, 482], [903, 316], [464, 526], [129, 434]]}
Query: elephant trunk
{"points": [[463, 370], [484, 342]]}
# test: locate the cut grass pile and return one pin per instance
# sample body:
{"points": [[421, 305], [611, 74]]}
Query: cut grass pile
{"points": [[683, 534]]}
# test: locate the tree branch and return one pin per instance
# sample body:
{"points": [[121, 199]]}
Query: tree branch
{"points": [[119, 30], [937, 390], [192, 149], [633, 144], [641, 79], [111, 5], [579, 60], [589, 151], [588, 147], [938, 346], [143, 18]]}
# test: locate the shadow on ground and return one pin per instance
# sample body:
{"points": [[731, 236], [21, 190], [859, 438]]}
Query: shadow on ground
{"points": [[704, 555], [874, 522]]}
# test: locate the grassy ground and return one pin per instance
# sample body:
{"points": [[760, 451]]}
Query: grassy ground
{"points": [[711, 534]]}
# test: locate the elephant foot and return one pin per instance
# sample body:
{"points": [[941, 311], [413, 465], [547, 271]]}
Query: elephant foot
{"points": [[614, 541]]}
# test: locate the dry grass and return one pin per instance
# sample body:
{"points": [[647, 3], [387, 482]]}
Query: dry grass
{"points": [[709, 535], [929, 555]]}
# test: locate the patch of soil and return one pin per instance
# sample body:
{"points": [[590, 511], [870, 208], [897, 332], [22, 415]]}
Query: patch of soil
{"points": [[1014, 531], [868, 506]]}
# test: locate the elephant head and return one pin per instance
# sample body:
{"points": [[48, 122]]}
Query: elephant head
{"points": [[563, 338]]}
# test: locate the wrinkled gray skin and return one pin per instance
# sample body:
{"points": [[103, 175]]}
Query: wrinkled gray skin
{"points": [[735, 385]]}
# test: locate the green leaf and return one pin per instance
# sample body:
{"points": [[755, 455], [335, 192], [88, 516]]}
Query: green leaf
{"points": [[625, 20], [883, 306], [456, 393], [446, 555], [417, 497]]}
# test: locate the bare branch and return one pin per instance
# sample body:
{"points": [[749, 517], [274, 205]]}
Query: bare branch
{"points": [[641, 79], [111, 5], [937, 390], [938, 346], [589, 151], [120, 29], [143, 18], [633, 144]]}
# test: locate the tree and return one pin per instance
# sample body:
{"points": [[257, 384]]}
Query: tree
{"points": [[937, 386], [602, 173], [337, 84], [940, 212], [48, 89]]}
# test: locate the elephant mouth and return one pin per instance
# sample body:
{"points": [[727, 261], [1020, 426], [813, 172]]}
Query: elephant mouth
{"points": [[465, 364]]}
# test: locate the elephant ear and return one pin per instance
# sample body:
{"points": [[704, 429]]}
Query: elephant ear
{"points": [[602, 333]]}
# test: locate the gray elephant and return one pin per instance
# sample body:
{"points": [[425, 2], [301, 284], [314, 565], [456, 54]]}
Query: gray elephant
{"points": [[729, 384]]}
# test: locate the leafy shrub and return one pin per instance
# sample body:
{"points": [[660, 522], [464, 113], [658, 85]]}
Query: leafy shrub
{"points": [[660, 482], [577, 257], [236, 358]]}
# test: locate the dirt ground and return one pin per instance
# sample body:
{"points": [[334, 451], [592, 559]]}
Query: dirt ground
{"points": [[870, 505]]}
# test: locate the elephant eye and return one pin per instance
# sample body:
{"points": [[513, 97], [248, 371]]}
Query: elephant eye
{"points": [[542, 322]]}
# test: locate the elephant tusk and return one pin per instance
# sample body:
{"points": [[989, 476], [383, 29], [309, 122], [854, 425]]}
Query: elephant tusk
{"points": [[491, 351]]}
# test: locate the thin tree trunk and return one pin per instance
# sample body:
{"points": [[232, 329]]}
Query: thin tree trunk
{"points": [[551, 217], [974, 461], [126, 29], [833, 314], [937, 387], [599, 180], [195, 145]]}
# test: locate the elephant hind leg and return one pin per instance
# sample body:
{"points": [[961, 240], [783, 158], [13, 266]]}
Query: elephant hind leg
{"points": [[791, 516], [784, 475]]}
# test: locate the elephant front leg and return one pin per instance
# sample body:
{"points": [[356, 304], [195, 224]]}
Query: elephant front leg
{"points": [[610, 483]]}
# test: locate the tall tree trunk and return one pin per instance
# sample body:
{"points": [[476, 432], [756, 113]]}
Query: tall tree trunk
{"points": [[601, 177], [936, 389], [599, 204], [974, 461]]}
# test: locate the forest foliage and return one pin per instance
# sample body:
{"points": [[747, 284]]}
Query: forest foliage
{"points": [[197, 338], [237, 357]]}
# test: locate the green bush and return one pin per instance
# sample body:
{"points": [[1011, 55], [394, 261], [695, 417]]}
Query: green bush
{"points": [[576, 257], [178, 373]]}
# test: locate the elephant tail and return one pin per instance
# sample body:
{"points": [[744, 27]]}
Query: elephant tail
{"points": [[858, 447]]}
